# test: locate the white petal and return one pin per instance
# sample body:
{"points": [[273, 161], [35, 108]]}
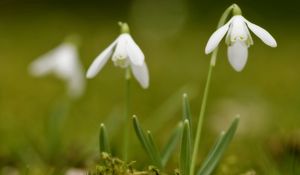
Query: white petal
{"points": [[64, 63], [141, 74], [120, 56], [100, 61], [41, 66], [120, 50], [238, 29], [135, 54], [58, 61], [215, 38], [237, 55], [264, 35]]}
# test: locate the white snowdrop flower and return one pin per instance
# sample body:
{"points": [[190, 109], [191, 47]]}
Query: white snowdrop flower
{"points": [[76, 171], [124, 52], [238, 40], [63, 62]]}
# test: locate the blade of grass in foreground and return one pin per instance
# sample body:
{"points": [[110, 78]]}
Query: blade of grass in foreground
{"points": [[187, 114], [185, 150], [144, 140], [154, 150], [186, 108], [171, 144], [103, 139], [219, 148]]}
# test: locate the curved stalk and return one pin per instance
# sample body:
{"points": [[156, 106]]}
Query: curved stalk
{"points": [[222, 21]]}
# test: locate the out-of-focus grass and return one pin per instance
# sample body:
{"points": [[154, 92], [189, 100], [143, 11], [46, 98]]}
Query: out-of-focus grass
{"points": [[266, 94]]}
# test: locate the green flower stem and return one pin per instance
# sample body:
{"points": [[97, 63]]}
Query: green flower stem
{"points": [[200, 121], [124, 28], [222, 21], [127, 113]]}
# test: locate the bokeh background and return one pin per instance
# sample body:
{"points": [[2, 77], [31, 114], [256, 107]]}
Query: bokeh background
{"points": [[172, 35]]}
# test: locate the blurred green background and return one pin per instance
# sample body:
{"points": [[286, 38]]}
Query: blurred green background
{"points": [[172, 35]]}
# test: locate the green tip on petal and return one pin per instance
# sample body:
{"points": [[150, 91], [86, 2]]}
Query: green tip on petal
{"points": [[124, 27]]}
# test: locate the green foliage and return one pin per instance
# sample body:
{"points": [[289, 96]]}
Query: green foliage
{"points": [[147, 143], [103, 140], [171, 144], [158, 159], [186, 108], [218, 149], [185, 149]]}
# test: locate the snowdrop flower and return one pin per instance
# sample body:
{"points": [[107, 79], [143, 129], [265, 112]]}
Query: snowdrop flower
{"points": [[76, 171], [124, 52], [63, 62], [238, 39]]}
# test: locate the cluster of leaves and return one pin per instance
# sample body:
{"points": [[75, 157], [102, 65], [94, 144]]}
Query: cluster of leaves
{"points": [[182, 135]]}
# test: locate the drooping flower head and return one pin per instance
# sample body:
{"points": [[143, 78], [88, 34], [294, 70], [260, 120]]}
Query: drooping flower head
{"points": [[124, 53], [63, 62], [238, 38]]}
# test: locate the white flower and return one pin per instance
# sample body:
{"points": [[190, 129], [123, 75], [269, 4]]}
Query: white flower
{"points": [[63, 62], [238, 40], [76, 171], [124, 52]]}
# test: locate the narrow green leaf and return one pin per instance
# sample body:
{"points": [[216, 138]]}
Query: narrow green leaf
{"points": [[171, 144], [103, 139], [143, 139], [187, 114], [185, 151], [186, 108], [218, 149], [154, 150]]}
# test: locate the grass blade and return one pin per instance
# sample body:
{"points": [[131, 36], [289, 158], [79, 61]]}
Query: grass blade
{"points": [[103, 139], [144, 140], [154, 150], [186, 108], [187, 114], [219, 148], [185, 150], [171, 144]]}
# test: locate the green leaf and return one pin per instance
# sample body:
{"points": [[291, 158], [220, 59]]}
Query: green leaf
{"points": [[154, 150], [171, 144], [218, 149], [185, 150], [103, 140], [144, 140], [186, 108]]}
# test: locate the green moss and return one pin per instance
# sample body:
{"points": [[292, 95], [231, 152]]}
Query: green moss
{"points": [[114, 166]]}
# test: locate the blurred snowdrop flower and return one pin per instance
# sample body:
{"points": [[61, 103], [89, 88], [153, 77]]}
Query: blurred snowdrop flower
{"points": [[124, 52], [238, 39], [75, 171], [63, 62]]}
